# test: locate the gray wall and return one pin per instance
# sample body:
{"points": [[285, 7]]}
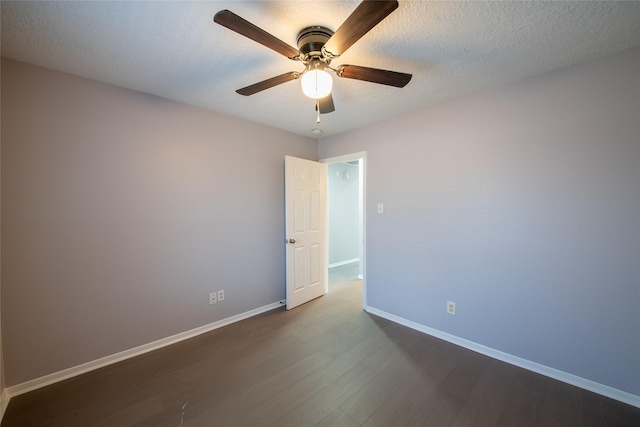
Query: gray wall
{"points": [[343, 213], [122, 211], [522, 205]]}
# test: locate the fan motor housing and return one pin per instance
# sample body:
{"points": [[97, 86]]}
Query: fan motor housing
{"points": [[311, 40]]}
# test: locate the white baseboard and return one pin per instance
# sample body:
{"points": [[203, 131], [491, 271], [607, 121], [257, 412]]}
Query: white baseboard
{"points": [[4, 402], [339, 263], [127, 354], [604, 390]]}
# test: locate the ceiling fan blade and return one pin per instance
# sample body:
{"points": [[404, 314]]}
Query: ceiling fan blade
{"points": [[241, 26], [269, 83], [374, 75], [326, 104], [366, 16]]}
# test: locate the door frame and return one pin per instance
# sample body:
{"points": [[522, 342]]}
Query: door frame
{"points": [[361, 155]]}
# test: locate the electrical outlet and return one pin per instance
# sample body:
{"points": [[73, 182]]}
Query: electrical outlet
{"points": [[213, 298], [221, 295], [451, 307]]}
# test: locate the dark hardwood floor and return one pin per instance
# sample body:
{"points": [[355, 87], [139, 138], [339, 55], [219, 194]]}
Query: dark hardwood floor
{"points": [[327, 363]]}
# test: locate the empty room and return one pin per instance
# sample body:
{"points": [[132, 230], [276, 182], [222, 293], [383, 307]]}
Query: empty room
{"points": [[320, 213]]}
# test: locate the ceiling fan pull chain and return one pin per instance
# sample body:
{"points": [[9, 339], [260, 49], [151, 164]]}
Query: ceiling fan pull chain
{"points": [[318, 110]]}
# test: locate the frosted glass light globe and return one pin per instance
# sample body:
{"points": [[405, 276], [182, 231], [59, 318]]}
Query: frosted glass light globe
{"points": [[316, 83]]}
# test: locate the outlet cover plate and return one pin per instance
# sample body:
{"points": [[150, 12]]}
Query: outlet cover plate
{"points": [[451, 307]]}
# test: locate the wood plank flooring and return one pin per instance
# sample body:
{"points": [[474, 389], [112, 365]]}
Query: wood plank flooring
{"points": [[327, 363]]}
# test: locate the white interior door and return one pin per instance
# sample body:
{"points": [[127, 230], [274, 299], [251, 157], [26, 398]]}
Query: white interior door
{"points": [[305, 225]]}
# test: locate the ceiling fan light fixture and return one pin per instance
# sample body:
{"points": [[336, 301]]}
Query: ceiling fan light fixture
{"points": [[317, 47], [316, 83]]}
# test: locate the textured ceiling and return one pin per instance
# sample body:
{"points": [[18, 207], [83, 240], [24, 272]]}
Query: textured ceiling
{"points": [[174, 49]]}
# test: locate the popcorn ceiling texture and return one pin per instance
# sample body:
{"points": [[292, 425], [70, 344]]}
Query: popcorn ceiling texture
{"points": [[175, 50]]}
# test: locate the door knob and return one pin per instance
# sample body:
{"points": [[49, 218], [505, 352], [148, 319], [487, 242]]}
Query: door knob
{"points": [[292, 240]]}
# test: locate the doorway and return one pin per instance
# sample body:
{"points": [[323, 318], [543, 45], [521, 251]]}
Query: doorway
{"points": [[346, 252]]}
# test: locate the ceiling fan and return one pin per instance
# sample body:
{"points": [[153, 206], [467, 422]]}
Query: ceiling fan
{"points": [[317, 47]]}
